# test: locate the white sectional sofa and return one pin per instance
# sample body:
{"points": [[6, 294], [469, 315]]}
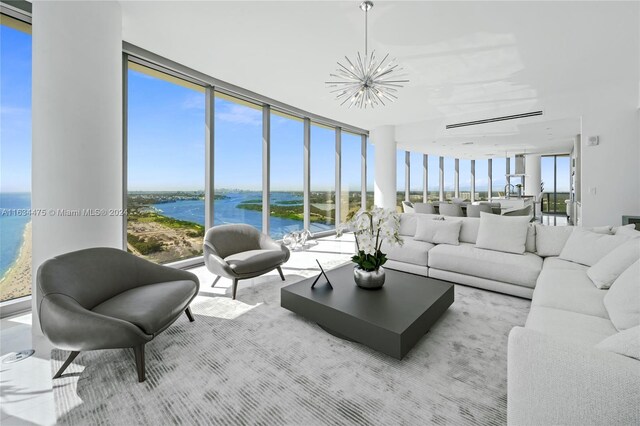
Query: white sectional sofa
{"points": [[575, 361]]}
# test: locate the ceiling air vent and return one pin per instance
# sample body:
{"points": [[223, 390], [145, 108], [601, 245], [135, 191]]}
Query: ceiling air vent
{"points": [[494, 119]]}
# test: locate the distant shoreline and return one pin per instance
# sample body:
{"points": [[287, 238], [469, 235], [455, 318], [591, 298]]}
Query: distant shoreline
{"points": [[16, 281]]}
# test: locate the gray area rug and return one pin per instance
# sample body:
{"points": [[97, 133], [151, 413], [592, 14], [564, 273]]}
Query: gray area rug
{"points": [[250, 362]]}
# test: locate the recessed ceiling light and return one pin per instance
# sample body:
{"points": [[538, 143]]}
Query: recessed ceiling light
{"points": [[467, 143]]}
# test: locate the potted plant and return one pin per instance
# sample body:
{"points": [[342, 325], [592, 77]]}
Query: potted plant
{"points": [[371, 229]]}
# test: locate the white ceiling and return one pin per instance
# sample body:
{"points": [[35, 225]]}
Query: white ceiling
{"points": [[465, 61]]}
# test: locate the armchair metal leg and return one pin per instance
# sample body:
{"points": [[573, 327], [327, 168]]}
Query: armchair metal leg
{"points": [[234, 288], [280, 272], [189, 314], [139, 351], [215, 281], [69, 360]]}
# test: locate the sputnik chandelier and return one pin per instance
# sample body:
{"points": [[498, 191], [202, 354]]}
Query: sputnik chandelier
{"points": [[365, 82]]}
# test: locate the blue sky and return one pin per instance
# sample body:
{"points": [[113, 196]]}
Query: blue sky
{"points": [[166, 140]]}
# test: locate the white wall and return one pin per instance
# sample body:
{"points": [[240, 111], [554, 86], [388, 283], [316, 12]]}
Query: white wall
{"points": [[610, 171], [383, 138], [77, 126]]}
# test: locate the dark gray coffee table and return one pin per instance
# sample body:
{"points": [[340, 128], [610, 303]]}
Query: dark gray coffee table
{"points": [[390, 320]]}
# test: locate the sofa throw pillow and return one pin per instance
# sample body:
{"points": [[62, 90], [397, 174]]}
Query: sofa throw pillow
{"points": [[438, 231], [408, 223], [530, 243], [607, 269], [550, 240], [502, 233], [588, 247], [469, 229], [626, 342], [622, 301]]}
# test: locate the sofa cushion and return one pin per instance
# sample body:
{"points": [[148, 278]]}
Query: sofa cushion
{"points": [[502, 233], [469, 229], [550, 240], [569, 326], [623, 299], [408, 223], [625, 342], [494, 265], [570, 290], [412, 251], [627, 230], [150, 307], [588, 247], [607, 269], [438, 231], [252, 261], [555, 262]]}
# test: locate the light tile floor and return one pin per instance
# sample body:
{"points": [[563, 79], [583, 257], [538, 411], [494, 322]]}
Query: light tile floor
{"points": [[26, 387]]}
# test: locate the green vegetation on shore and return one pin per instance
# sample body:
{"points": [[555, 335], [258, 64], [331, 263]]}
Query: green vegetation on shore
{"points": [[295, 212]]}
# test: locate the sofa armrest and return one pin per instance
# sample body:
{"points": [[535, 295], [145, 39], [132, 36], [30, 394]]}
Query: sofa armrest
{"points": [[69, 326], [552, 382]]}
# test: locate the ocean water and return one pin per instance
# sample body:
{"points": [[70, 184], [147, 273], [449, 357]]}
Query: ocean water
{"points": [[226, 211], [12, 227]]}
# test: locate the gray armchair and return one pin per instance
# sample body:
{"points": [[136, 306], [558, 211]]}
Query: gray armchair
{"points": [[240, 251], [105, 298]]}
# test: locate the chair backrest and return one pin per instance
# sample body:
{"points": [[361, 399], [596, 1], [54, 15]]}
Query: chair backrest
{"points": [[455, 200], [425, 208], [407, 207], [474, 211], [90, 276], [233, 238], [450, 210], [525, 211]]}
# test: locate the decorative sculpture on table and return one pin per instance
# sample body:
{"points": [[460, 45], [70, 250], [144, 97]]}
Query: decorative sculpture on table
{"points": [[372, 228]]}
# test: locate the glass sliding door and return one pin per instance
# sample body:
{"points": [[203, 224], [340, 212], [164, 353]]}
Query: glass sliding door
{"points": [[238, 161], [287, 174], [417, 177], [556, 175], [351, 175], [15, 158], [322, 178]]}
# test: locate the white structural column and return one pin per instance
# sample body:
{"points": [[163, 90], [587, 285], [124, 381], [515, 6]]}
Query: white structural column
{"points": [[77, 158], [473, 180], [441, 179], [456, 179], [532, 178], [383, 139]]}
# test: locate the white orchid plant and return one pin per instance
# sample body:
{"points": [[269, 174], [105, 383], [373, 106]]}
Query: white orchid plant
{"points": [[371, 229]]}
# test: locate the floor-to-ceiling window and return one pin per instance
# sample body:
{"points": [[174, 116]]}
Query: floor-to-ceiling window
{"points": [[15, 158], [482, 180], [417, 177], [286, 196], [449, 178], [556, 175], [323, 178], [401, 169], [434, 177], [371, 171], [350, 175], [166, 167], [498, 176], [238, 161], [465, 179]]}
